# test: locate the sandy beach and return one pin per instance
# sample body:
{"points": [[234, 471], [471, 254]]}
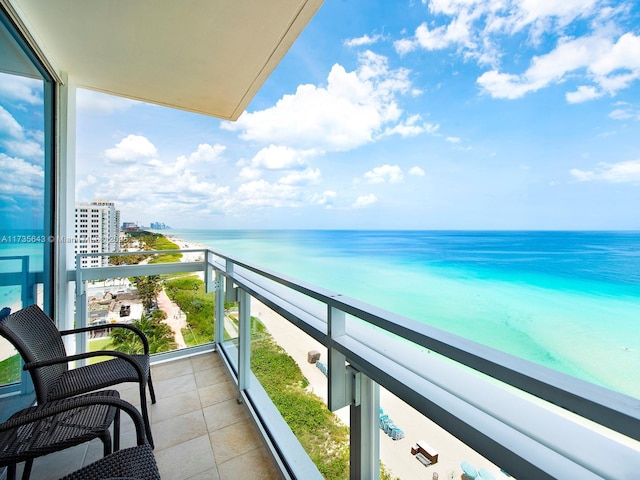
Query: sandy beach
{"points": [[395, 454]]}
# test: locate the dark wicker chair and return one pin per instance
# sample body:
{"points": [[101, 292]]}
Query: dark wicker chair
{"points": [[54, 426], [48, 420], [40, 344], [135, 463]]}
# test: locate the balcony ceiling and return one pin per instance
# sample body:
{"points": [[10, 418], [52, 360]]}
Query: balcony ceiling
{"points": [[204, 56]]}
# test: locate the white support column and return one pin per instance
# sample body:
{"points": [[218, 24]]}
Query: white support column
{"points": [[244, 341], [364, 434], [64, 228]]}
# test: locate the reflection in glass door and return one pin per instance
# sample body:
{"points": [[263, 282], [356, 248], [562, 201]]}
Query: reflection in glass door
{"points": [[26, 244]]}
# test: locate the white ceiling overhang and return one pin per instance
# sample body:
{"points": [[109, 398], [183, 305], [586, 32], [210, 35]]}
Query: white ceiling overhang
{"points": [[205, 56]]}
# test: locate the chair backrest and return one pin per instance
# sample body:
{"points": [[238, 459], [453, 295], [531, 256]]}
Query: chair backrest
{"points": [[36, 338]]}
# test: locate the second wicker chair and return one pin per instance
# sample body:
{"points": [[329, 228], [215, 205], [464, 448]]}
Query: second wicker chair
{"points": [[40, 344]]}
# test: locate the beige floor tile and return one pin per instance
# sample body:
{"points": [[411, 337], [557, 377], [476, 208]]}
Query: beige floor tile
{"points": [[234, 440], [211, 474], [176, 430], [175, 405], [223, 414], [220, 392], [186, 459], [163, 371], [175, 386], [253, 465], [205, 360], [211, 376]]}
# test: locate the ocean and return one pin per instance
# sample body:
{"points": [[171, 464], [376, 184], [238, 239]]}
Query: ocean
{"points": [[567, 300]]}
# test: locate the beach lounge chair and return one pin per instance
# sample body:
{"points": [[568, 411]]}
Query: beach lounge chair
{"points": [[469, 471], [40, 344]]}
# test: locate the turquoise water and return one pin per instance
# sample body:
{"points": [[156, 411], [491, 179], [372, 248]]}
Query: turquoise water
{"points": [[567, 300]]}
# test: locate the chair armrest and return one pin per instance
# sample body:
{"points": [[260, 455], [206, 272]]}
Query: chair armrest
{"points": [[75, 402], [93, 328], [80, 356]]}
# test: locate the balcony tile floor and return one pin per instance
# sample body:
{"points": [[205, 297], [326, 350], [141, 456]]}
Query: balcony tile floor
{"points": [[199, 429]]}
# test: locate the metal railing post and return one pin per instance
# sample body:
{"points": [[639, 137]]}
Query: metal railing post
{"points": [[81, 311], [218, 329], [337, 395], [244, 341], [364, 444]]}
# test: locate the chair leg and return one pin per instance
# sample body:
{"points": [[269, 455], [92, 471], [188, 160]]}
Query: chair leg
{"points": [[145, 413], [116, 431], [105, 437], [26, 473], [151, 390]]}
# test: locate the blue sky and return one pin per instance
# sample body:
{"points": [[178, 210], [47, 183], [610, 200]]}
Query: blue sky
{"points": [[445, 114]]}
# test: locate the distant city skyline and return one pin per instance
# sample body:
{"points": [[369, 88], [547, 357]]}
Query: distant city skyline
{"points": [[417, 115]]}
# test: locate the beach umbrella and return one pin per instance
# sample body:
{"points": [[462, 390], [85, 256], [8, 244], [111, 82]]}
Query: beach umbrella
{"points": [[468, 469], [485, 474]]}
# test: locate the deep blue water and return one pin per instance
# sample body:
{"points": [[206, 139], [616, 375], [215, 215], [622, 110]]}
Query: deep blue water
{"points": [[568, 300]]}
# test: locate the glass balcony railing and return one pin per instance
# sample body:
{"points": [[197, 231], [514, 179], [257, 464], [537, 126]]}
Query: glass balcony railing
{"points": [[364, 392]]}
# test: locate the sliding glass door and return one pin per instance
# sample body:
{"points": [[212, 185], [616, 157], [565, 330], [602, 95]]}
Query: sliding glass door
{"points": [[26, 193]]}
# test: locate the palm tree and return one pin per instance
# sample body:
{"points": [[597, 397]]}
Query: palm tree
{"points": [[148, 288], [158, 333]]}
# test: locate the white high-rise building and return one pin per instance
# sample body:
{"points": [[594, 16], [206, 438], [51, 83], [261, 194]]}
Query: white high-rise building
{"points": [[97, 231]]}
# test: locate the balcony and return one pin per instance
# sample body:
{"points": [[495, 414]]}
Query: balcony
{"points": [[503, 413], [201, 430]]}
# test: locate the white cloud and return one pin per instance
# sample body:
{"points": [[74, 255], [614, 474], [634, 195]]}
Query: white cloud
{"points": [[620, 172], [411, 127], [625, 111], [260, 193], [453, 139], [21, 178], [9, 127], [102, 103], [582, 94], [610, 65], [384, 173], [306, 177], [363, 40], [207, 153], [353, 109], [22, 89], [365, 201], [604, 58], [278, 157], [417, 171], [17, 141], [130, 148], [325, 198]]}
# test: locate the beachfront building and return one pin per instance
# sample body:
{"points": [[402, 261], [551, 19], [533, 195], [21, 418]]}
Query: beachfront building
{"points": [[213, 418], [97, 231]]}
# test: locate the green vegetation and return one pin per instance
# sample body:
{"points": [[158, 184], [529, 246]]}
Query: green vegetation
{"points": [[148, 288], [10, 370], [188, 293], [322, 435], [147, 241]]}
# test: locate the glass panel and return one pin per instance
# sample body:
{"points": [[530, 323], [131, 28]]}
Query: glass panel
{"points": [[25, 246], [172, 310], [413, 446], [291, 366]]}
